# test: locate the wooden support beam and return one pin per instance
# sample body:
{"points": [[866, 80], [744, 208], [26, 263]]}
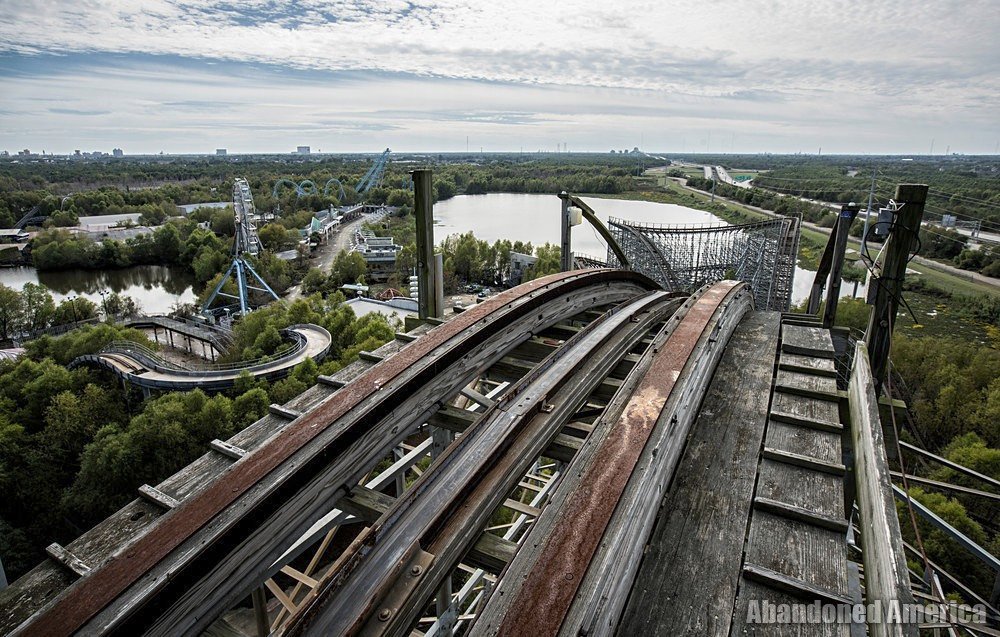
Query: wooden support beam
{"points": [[157, 497], [521, 507], [283, 412], [800, 514], [490, 552], [226, 449], [792, 585], [886, 578], [805, 462], [330, 381], [369, 356], [67, 559], [405, 337]]}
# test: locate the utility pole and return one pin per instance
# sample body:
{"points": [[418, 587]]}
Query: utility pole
{"points": [[713, 185], [868, 212], [847, 215], [888, 283], [423, 204], [565, 254]]}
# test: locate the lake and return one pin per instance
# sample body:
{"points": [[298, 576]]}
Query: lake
{"points": [[155, 288], [535, 218]]}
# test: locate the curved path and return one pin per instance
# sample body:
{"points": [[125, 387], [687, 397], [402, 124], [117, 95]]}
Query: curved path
{"points": [[139, 368]]}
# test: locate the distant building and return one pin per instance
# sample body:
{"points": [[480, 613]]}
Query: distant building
{"points": [[519, 265], [302, 150], [24, 153], [220, 152], [118, 152], [376, 250], [395, 310]]}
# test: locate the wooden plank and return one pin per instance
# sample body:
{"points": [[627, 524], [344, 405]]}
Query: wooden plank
{"points": [[813, 394], [804, 552], [805, 408], [800, 487], [808, 380], [806, 462], [822, 366], [689, 575], [831, 427], [756, 594], [158, 497], [792, 585], [808, 341], [800, 514], [804, 441], [886, 577], [67, 559]]}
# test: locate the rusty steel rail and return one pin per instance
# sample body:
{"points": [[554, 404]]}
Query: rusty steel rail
{"points": [[433, 524], [219, 543], [580, 557]]}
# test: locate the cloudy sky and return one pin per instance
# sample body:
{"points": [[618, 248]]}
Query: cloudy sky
{"points": [[893, 76]]}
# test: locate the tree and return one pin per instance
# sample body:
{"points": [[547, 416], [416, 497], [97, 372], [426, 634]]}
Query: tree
{"points": [[347, 267], [74, 309], [250, 407], [274, 237], [39, 307], [11, 312]]}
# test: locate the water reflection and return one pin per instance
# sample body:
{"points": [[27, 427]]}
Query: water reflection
{"points": [[157, 288], [535, 218]]}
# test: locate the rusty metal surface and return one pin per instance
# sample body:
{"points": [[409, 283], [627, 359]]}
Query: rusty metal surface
{"points": [[545, 596], [81, 601]]}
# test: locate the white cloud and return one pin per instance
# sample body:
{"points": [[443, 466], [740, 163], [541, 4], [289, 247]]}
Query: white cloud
{"points": [[793, 73]]}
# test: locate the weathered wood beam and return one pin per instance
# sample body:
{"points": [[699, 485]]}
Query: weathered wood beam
{"points": [[886, 578]]}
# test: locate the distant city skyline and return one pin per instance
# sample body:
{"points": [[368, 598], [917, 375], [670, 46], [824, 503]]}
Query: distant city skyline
{"points": [[188, 77]]}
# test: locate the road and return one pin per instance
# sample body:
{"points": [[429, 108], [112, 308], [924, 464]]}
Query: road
{"points": [[326, 253]]}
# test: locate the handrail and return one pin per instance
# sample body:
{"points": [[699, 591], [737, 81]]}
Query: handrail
{"points": [[886, 577]]}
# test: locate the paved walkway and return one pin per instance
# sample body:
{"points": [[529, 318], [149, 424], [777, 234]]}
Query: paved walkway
{"points": [[316, 344]]}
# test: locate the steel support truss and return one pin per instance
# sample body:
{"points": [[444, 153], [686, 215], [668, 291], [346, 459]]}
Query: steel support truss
{"points": [[684, 258]]}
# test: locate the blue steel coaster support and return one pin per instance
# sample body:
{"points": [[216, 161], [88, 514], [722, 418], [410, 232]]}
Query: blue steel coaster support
{"points": [[245, 242]]}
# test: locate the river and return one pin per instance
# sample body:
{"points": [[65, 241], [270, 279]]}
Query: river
{"points": [[535, 218], [156, 288]]}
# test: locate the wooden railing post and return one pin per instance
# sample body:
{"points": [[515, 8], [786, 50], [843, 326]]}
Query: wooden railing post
{"points": [[903, 237], [886, 577]]}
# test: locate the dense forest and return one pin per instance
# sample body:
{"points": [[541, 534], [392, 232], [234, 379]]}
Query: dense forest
{"points": [[75, 445]]}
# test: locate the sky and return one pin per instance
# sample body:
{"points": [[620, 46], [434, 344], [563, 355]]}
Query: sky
{"points": [[685, 76]]}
